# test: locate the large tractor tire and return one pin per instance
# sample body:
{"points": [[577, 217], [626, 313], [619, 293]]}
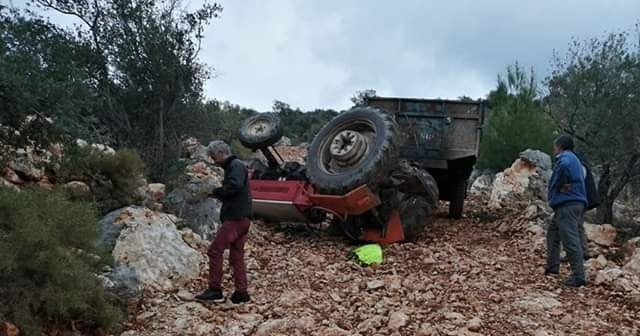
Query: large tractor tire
{"points": [[260, 131], [354, 148], [458, 194], [415, 216]]}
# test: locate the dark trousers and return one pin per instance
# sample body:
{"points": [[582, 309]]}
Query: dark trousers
{"points": [[564, 228], [232, 235]]}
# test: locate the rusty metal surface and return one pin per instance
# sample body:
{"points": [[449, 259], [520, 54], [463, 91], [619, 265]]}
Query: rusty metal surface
{"points": [[435, 130], [356, 202]]}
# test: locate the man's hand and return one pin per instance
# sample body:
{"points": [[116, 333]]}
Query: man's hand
{"points": [[565, 188]]}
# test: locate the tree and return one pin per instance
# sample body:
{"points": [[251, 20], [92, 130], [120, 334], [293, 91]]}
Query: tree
{"points": [[594, 97], [147, 68], [301, 126], [516, 120], [360, 97], [44, 78]]}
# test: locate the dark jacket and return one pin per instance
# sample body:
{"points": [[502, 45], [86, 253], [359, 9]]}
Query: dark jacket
{"points": [[234, 193], [593, 199], [567, 171]]}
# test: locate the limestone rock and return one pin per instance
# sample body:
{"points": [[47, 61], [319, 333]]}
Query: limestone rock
{"points": [[596, 264], [201, 216], [7, 184], [474, 324], [11, 176], [603, 235], [397, 320], [9, 329], [633, 265], [538, 303], [26, 169], [157, 192], [482, 185], [607, 276], [77, 189], [284, 141], [148, 247], [631, 246], [520, 182], [375, 284], [538, 158]]}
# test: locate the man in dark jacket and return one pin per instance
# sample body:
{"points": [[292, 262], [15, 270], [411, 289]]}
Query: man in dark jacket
{"points": [[234, 215], [567, 197]]}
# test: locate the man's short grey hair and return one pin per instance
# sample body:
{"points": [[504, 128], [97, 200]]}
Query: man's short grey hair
{"points": [[218, 146]]}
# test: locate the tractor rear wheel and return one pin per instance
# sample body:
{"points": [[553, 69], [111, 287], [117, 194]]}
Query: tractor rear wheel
{"points": [[354, 148]]}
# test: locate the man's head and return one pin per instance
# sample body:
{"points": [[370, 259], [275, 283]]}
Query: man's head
{"points": [[562, 143], [219, 151]]}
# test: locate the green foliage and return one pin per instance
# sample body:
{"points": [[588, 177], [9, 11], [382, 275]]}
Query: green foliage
{"points": [[360, 97], [44, 74], [113, 178], [593, 96], [301, 126], [517, 121], [47, 263]]}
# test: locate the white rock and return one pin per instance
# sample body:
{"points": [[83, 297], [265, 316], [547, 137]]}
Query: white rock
{"points": [[156, 192], [375, 284], [520, 182], [603, 235], [482, 185], [607, 276], [596, 264], [284, 141], [77, 188], [185, 295], [538, 303], [633, 265], [151, 247], [631, 246], [397, 320], [474, 324], [81, 143], [272, 327]]}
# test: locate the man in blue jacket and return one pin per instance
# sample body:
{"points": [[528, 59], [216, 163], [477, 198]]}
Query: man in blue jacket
{"points": [[568, 198]]}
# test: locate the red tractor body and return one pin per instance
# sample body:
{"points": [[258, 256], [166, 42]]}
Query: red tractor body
{"points": [[297, 201]]}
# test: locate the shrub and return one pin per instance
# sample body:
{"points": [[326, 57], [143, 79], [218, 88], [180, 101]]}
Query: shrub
{"points": [[113, 178], [48, 262]]}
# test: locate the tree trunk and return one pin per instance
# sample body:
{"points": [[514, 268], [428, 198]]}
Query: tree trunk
{"points": [[160, 158], [605, 210]]}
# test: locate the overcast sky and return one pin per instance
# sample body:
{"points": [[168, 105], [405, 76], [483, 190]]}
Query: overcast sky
{"points": [[316, 54]]}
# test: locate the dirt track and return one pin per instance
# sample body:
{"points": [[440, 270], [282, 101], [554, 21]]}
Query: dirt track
{"points": [[461, 276]]}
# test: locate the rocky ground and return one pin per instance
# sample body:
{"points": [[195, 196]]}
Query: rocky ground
{"points": [[464, 277]]}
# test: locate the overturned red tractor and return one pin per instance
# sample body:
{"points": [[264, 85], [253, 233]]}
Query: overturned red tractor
{"points": [[376, 171]]}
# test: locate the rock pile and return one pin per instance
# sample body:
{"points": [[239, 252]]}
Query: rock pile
{"points": [[190, 199]]}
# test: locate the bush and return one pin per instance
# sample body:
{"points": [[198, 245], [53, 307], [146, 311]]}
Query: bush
{"points": [[48, 262], [517, 121], [113, 179]]}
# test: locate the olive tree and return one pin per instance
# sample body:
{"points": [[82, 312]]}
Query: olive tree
{"points": [[594, 96]]}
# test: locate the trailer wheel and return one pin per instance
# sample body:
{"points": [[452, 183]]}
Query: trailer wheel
{"points": [[260, 131], [354, 148], [458, 193]]}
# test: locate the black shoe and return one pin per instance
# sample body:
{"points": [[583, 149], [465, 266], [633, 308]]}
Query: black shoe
{"points": [[551, 272], [211, 295], [575, 283], [240, 297]]}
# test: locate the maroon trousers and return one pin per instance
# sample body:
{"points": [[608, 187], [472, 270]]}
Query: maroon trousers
{"points": [[232, 235]]}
